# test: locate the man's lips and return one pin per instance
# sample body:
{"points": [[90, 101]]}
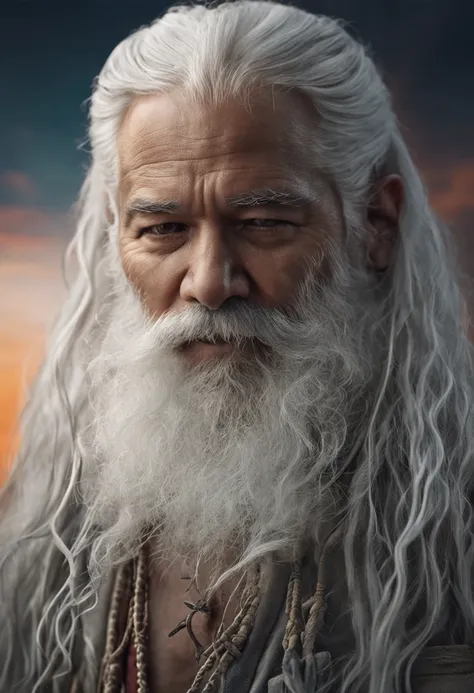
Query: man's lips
{"points": [[201, 349]]}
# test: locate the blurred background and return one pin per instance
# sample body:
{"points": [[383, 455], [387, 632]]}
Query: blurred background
{"points": [[50, 52]]}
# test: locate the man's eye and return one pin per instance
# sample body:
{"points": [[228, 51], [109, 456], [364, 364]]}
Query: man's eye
{"points": [[168, 228], [267, 223]]}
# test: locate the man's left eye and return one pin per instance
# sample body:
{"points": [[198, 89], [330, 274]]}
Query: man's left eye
{"points": [[267, 223]]}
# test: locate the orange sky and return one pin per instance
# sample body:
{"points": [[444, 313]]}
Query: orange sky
{"points": [[30, 291], [31, 286]]}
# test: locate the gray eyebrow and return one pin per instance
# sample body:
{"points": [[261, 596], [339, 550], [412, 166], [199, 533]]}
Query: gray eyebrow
{"points": [[142, 206], [263, 197]]}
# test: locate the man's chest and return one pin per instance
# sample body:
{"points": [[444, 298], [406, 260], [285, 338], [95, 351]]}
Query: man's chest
{"points": [[182, 626]]}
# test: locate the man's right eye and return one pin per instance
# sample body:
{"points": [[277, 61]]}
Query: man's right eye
{"points": [[168, 228]]}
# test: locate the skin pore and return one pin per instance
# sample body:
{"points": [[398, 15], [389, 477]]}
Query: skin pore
{"points": [[214, 204]]}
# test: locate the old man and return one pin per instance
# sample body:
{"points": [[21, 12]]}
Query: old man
{"points": [[247, 462]]}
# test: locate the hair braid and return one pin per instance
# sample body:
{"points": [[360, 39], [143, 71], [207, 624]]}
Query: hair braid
{"points": [[295, 625], [111, 668], [140, 618], [318, 607]]}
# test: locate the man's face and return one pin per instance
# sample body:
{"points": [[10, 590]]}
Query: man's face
{"points": [[214, 443], [197, 220]]}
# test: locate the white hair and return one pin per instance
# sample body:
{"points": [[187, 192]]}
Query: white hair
{"points": [[409, 543]]}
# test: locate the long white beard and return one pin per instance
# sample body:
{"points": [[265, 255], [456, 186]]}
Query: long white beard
{"points": [[224, 455]]}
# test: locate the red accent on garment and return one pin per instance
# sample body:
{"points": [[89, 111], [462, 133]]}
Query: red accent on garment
{"points": [[131, 683]]}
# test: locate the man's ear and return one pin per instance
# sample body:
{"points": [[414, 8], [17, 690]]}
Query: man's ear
{"points": [[383, 214]]}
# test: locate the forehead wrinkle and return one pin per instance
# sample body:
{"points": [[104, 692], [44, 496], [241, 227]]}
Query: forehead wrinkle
{"points": [[166, 114], [227, 159], [152, 135], [151, 150], [136, 179], [150, 140], [249, 132]]}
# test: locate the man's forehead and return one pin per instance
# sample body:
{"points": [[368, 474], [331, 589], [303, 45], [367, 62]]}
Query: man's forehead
{"points": [[173, 109], [164, 129]]}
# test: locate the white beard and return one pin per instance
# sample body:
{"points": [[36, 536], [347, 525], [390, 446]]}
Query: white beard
{"points": [[225, 455]]}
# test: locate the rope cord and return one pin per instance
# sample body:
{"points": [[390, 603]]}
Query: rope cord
{"points": [[229, 645], [131, 583], [111, 668], [317, 609]]}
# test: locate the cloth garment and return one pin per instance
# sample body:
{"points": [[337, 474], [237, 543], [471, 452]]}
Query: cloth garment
{"points": [[264, 667]]}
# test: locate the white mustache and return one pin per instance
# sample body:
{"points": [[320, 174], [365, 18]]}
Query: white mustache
{"points": [[234, 323]]}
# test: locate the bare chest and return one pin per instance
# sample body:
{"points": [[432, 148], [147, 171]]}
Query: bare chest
{"points": [[173, 661]]}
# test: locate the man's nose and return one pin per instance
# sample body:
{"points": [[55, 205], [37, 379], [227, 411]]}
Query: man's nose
{"points": [[215, 272]]}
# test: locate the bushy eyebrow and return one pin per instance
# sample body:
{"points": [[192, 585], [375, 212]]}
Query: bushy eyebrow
{"points": [[262, 197], [143, 206], [267, 197]]}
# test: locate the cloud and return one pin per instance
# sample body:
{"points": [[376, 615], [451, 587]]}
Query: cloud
{"points": [[453, 190], [18, 182], [31, 292], [451, 193], [31, 284], [18, 220], [20, 356]]}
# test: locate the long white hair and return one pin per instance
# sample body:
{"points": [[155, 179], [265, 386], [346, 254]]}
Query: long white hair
{"points": [[409, 543]]}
